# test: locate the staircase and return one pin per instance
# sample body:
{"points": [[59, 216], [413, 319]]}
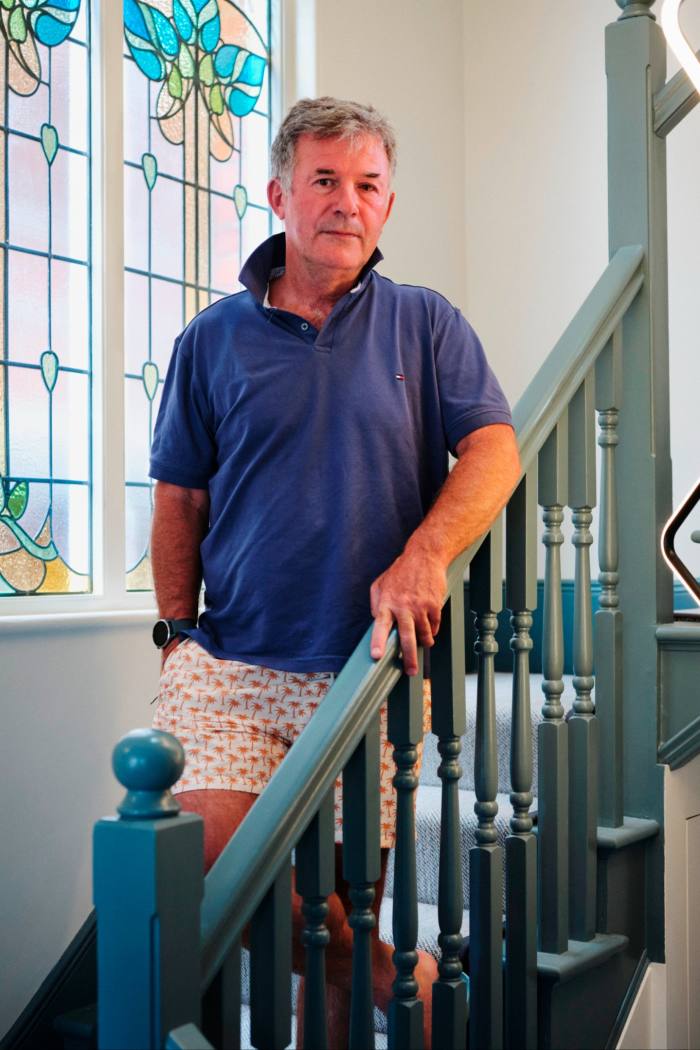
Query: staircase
{"points": [[428, 805], [581, 886], [621, 858]]}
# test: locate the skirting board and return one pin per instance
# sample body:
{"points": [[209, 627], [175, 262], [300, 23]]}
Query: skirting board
{"points": [[645, 1027]]}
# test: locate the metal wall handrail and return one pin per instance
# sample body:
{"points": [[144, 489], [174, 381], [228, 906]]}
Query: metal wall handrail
{"points": [[239, 879], [668, 541]]}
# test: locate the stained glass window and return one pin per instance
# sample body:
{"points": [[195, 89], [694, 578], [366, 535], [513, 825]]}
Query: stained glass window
{"points": [[46, 273], [196, 144]]}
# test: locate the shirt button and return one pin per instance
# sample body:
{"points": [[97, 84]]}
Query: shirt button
{"points": [[304, 326]]}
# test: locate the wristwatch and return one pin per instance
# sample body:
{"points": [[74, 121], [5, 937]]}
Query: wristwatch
{"points": [[165, 630]]}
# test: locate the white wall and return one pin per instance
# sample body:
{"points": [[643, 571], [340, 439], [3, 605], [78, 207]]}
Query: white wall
{"points": [[405, 57], [68, 694], [536, 208]]}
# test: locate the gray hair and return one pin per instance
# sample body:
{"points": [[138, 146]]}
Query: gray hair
{"points": [[325, 118]]}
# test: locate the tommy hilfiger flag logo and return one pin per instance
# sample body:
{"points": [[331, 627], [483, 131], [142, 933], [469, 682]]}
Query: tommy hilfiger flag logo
{"points": [[400, 376]]}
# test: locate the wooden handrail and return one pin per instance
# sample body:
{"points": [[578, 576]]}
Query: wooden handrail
{"points": [[237, 882], [673, 102]]}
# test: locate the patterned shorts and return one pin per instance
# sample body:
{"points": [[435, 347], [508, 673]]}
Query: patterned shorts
{"points": [[237, 721]]}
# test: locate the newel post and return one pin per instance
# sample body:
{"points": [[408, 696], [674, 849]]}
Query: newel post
{"points": [[635, 61], [633, 8], [148, 884]]}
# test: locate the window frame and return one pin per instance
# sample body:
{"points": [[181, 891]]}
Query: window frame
{"points": [[293, 74]]}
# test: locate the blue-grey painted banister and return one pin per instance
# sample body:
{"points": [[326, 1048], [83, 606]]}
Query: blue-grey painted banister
{"points": [[574, 355], [147, 924], [271, 965], [635, 63], [521, 844], [221, 1003], [674, 101], [315, 881], [236, 883], [608, 619], [583, 725], [552, 735], [361, 868], [405, 732], [449, 722], [486, 857]]}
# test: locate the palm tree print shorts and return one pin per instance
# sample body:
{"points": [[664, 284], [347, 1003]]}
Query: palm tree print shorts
{"points": [[237, 721]]}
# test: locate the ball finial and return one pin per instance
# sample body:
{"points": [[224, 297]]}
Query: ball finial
{"points": [[634, 8], [148, 762]]}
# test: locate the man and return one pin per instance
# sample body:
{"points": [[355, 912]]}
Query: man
{"points": [[301, 460]]}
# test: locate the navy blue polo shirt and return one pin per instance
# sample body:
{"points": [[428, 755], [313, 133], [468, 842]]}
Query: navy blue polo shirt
{"points": [[322, 450]]}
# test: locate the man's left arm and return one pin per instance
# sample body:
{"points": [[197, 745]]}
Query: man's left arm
{"points": [[412, 590]]}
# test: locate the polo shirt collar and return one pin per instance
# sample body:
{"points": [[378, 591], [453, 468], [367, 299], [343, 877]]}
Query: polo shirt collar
{"points": [[267, 262]]}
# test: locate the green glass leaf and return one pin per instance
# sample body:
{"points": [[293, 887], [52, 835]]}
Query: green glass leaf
{"points": [[49, 369], [240, 199], [150, 169], [149, 374], [185, 62], [7, 4], [206, 71], [216, 100], [17, 25], [175, 83], [49, 141], [17, 500]]}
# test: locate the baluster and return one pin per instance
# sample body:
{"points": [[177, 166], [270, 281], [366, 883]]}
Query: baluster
{"points": [[608, 619], [221, 1004], [405, 732], [362, 868], [552, 733], [521, 844], [583, 725], [449, 722], [486, 858], [315, 880], [147, 985], [271, 965]]}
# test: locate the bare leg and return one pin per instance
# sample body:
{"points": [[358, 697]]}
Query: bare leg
{"points": [[222, 812]]}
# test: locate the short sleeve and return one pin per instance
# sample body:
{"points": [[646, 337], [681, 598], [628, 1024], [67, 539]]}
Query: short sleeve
{"points": [[470, 395], [183, 451]]}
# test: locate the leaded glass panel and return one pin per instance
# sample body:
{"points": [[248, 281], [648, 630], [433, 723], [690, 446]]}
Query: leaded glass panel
{"points": [[196, 146], [46, 273]]}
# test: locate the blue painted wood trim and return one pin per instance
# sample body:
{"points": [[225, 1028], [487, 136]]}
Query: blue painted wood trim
{"points": [[683, 746], [70, 986], [679, 671], [504, 659], [580, 957]]}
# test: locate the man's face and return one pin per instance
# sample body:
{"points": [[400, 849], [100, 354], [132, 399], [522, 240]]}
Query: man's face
{"points": [[338, 202]]}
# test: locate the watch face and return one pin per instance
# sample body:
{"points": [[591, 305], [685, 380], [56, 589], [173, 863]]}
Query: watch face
{"points": [[161, 633]]}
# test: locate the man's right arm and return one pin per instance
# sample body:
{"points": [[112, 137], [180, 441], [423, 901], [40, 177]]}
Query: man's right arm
{"points": [[180, 523]]}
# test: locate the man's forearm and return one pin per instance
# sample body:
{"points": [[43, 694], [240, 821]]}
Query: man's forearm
{"points": [[411, 591], [474, 492], [180, 523]]}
